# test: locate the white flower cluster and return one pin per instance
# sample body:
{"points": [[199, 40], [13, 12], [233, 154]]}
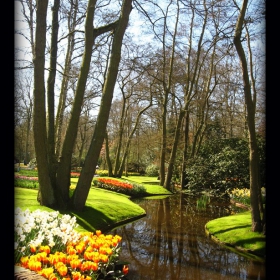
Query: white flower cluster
{"points": [[42, 228]]}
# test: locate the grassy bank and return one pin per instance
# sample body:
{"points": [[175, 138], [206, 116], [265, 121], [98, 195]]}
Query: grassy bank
{"points": [[105, 210], [235, 233], [102, 211]]}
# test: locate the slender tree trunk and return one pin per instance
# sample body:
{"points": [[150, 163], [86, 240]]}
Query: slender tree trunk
{"points": [[169, 173], [65, 78], [29, 117], [163, 145], [82, 189], [126, 149], [50, 95], [254, 155], [191, 78], [83, 139], [167, 87], [107, 151], [185, 151], [64, 166], [120, 135], [45, 193]]}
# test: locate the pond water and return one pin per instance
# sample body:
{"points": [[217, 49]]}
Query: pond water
{"points": [[170, 243]]}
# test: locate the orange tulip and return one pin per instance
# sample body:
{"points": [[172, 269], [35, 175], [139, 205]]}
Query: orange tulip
{"points": [[103, 258], [125, 269], [53, 277], [71, 250], [24, 261], [76, 275], [62, 270], [32, 249], [75, 263], [46, 272], [46, 249], [34, 265]]}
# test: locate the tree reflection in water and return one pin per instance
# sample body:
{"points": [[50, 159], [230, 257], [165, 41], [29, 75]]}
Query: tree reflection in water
{"points": [[170, 243]]}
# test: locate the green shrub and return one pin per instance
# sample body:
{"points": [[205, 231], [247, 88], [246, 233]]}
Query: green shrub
{"points": [[222, 168], [28, 184], [101, 173], [152, 170], [138, 190]]}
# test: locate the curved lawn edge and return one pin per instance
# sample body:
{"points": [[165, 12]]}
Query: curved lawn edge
{"points": [[104, 210], [122, 223], [236, 249], [235, 225]]}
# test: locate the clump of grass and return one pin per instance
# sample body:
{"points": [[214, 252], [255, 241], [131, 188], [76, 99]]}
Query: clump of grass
{"points": [[201, 203]]}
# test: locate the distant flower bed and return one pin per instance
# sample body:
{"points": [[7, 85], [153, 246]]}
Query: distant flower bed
{"points": [[120, 186], [75, 174], [47, 244], [243, 195], [26, 178], [26, 182]]}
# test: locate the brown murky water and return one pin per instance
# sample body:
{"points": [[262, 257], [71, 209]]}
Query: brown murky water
{"points": [[170, 243]]}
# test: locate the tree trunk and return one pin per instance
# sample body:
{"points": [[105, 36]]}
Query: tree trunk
{"points": [[185, 151], [250, 105], [126, 149], [169, 173], [107, 151], [82, 189], [64, 84], [120, 135], [64, 166], [167, 87], [50, 96], [46, 194]]}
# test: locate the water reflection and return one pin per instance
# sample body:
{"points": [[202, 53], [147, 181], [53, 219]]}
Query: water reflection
{"points": [[170, 243]]}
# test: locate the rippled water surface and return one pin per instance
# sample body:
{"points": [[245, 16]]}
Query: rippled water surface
{"points": [[170, 243]]}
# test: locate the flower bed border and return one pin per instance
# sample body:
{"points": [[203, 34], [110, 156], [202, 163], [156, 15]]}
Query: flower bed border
{"points": [[21, 273]]}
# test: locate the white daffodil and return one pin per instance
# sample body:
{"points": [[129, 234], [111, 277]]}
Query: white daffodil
{"points": [[42, 228]]}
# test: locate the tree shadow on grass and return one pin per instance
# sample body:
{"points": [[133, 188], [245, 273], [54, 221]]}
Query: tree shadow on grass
{"points": [[91, 219], [229, 229]]}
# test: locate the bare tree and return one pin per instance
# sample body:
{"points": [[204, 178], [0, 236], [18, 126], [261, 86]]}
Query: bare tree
{"points": [[72, 21], [24, 113], [250, 101]]}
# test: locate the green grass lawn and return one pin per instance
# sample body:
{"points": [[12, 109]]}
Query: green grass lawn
{"points": [[235, 231], [105, 210], [150, 183]]}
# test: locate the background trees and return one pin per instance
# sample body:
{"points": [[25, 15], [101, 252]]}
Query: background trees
{"points": [[175, 90]]}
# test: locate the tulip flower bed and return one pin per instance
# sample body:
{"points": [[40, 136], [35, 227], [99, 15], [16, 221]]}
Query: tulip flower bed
{"points": [[26, 182], [120, 186], [75, 174], [46, 243]]}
